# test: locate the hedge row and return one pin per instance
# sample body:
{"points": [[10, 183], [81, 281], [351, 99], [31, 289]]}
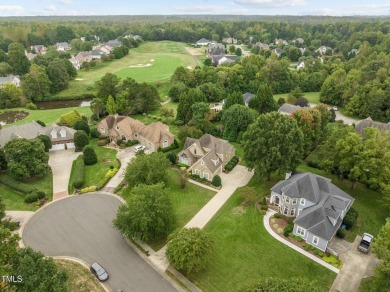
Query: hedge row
{"points": [[34, 196], [350, 218], [16, 185], [110, 174], [71, 97], [232, 163], [78, 172], [174, 146]]}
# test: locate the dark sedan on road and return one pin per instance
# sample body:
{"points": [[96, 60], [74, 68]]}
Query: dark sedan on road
{"points": [[99, 272]]}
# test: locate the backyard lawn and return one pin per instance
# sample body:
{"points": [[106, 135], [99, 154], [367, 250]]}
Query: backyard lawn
{"points": [[79, 277], [150, 62], [186, 203], [106, 158], [14, 200], [48, 116], [372, 213], [313, 97], [244, 251]]}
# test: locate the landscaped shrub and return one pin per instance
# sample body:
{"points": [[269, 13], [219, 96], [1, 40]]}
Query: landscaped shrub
{"points": [[287, 230], [31, 106], [41, 123], [78, 172], [307, 247], [82, 125], [88, 189], [278, 215], [102, 143], [80, 140], [94, 117], [102, 137], [16, 185], [109, 174], [350, 218], [31, 198], [89, 155], [264, 207], [94, 133], [341, 232], [232, 163], [46, 141], [217, 182], [122, 146], [298, 238], [264, 202], [70, 119], [171, 157]]}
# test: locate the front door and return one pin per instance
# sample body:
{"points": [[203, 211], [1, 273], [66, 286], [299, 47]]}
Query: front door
{"points": [[277, 201]]}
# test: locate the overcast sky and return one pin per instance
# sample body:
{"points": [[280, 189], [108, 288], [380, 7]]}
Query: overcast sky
{"points": [[148, 7]]}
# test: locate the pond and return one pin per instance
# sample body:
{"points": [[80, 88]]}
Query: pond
{"points": [[9, 117], [62, 103]]}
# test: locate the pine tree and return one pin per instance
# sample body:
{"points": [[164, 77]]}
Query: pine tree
{"points": [[111, 106]]}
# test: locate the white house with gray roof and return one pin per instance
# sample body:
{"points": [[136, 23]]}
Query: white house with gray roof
{"points": [[64, 46], [59, 135], [288, 109], [317, 205], [10, 79]]}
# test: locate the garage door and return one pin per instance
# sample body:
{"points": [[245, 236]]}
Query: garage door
{"points": [[70, 145], [57, 147]]}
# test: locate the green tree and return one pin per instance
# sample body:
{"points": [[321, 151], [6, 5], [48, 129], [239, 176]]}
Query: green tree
{"points": [[171, 156], [8, 249], [82, 125], [58, 75], [187, 131], [17, 59], [183, 177], [5, 69], [72, 72], [107, 86], [175, 91], [279, 285], [199, 118], [236, 119], [26, 158], [36, 84], [167, 112], [232, 49], [295, 94], [69, 119], [187, 99], [148, 213], [80, 140], [207, 62], [39, 272], [89, 155], [381, 248], [46, 141], [10, 96], [216, 181], [3, 163], [333, 88], [266, 101], [147, 169], [111, 106], [189, 250], [97, 106], [232, 99], [238, 52], [273, 143]]}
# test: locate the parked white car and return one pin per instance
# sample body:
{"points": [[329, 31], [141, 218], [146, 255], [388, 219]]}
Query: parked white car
{"points": [[139, 148], [335, 108]]}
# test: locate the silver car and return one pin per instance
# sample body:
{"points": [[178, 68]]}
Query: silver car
{"points": [[99, 272]]}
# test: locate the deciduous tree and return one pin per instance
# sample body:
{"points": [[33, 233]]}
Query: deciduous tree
{"points": [[232, 99], [58, 75], [111, 106], [17, 59], [97, 106], [236, 119], [36, 84]]}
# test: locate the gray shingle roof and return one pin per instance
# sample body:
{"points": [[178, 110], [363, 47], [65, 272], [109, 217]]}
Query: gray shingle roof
{"points": [[9, 78], [367, 123], [114, 43], [247, 97], [288, 108]]}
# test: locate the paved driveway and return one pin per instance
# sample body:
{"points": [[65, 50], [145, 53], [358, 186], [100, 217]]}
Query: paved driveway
{"points": [[356, 265], [61, 165], [81, 227]]}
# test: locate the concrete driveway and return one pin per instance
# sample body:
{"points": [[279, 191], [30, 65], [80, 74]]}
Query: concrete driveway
{"points": [[356, 265], [61, 165], [81, 227]]}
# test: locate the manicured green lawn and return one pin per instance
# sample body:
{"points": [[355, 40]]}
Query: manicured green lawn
{"points": [[186, 203], [374, 284], [164, 57], [48, 116], [244, 251], [106, 158], [372, 214], [313, 97], [14, 201]]}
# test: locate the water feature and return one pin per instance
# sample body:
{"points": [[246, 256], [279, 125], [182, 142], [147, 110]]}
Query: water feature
{"points": [[9, 117], [62, 103]]}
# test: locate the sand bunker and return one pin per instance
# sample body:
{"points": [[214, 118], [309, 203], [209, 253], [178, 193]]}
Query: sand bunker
{"points": [[140, 65], [79, 79], [189, 67], [151, 60]]}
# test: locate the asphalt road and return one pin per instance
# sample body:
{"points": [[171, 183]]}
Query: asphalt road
{"points": [[81, 227]]}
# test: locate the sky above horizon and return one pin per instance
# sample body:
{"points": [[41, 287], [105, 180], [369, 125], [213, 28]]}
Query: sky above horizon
{"points": [[169, 7]]}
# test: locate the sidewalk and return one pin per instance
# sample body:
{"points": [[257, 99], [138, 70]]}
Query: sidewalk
{"points": [[124, 156], [289, 244]]}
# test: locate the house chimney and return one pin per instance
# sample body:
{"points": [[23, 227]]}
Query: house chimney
{"points": [[288, 175]]}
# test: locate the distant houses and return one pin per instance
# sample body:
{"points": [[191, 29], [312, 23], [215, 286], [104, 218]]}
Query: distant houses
{"points": [[10, 79], [277, 51], [63, 47], [323, 49], [262, 46], [288, 109], [219, 60], [39, 49], [203, 42], [84, 57], [369, 123], [214, 46], [131, 36], [301, 65], [114, 43], [229, 40]]}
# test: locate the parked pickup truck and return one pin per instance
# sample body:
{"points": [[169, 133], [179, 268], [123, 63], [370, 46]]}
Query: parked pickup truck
{"points": [[364, 245]]}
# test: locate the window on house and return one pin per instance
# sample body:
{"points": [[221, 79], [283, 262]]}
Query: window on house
{"points": [[295, 200], [136, 135], [206, 175], [287, 200], [102, 130], [123, 138], [117, 127], [301, 231], [299, 212], [194, 150], [165, 143], [216, 162], [202, 163], [292, 212], [197, 171], [63, 133], [54, 134], [303, 201], [285, 211], [315, 240], [184, 161]]}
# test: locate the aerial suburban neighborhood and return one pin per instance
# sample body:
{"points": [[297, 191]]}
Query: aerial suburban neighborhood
{"points": [[236, 146]]}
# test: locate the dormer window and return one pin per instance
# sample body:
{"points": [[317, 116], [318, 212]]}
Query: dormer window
{"points": [[295, 200], [216, 162], [302, 202], [195, 151], [287, 200], [102, 130], [202, 163], [63, 133], [117, 127], [53, 134]]}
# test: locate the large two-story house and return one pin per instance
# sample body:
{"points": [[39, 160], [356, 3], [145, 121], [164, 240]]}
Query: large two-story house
{"points": [[153, 136], [317, 205], [206, 156]]}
